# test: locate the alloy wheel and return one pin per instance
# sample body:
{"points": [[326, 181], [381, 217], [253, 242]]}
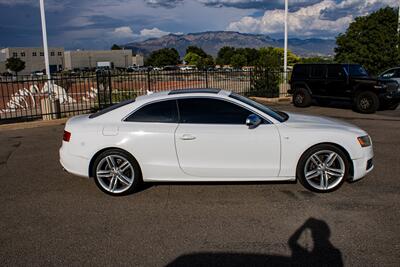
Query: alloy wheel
{"points": [[324, 170], [115, 174]]}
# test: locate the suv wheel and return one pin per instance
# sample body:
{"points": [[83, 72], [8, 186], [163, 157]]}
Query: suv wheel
{"points": [[301, 98], [366, 102]]}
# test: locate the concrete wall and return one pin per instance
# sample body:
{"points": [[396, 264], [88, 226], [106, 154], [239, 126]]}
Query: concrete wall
{"points": [[34, 57], [89, 59]]}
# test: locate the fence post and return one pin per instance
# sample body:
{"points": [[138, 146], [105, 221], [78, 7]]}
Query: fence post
{"points": [[99, 90], [148, 81], [110, 86], [206, 78]]}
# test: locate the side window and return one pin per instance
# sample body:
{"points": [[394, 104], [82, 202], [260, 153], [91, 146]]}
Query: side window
{"points": [[389, 74], [300, 71], [164, 111], [335, 71], [211, 111], [397, 74], [317, 71]]}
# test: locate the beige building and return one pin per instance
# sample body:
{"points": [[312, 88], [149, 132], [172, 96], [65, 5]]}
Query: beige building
{"points": [[33, 58], [138, 60], [81, 59]]}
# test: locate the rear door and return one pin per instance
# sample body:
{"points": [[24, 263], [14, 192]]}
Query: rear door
{"points": [[336, 81], [212, 140], [317, 79], [149, 135]]}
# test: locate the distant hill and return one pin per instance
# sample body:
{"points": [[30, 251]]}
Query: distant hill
{"points": [[211, 42]]}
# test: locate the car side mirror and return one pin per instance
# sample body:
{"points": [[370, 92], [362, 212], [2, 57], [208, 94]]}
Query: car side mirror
{"points": [[253, 121]]}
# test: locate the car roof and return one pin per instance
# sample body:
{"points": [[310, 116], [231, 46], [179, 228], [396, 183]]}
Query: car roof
{"points": [[183, 92]]}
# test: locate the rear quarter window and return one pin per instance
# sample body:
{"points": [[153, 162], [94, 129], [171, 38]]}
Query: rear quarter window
{"points": [[300, 71]]}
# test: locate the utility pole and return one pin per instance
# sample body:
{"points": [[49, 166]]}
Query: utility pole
{"points": [[45, 47], [285, 42]]}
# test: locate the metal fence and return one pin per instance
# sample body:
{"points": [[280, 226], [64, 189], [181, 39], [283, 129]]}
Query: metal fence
{"points": [[29, 98]]}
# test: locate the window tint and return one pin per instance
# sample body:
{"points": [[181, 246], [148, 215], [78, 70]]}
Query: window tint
{"points": [[110, 108], [389, 74], [335, 71], [164, 111], [212, 111], [317, 71], [300, 71]]}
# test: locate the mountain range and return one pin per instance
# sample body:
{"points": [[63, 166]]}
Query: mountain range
{"points": [[212, 41]]}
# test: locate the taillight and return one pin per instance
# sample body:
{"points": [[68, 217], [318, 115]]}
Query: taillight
{"points": [[66, 136]]}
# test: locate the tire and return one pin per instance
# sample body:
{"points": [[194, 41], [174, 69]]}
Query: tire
{"points": [[116, 172], [366, 102], [310, 174], [301, 98]]}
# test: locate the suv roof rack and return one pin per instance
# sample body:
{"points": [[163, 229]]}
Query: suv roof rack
{"points": [[194, 91]]}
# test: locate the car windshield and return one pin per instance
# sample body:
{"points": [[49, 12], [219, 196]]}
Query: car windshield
{"points": [[356, 70], [276, 114]]}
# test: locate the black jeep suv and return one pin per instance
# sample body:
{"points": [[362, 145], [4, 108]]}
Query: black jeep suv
{"points": [[325, 82]]}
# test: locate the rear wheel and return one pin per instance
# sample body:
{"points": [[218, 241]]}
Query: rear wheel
{"points": [[116, 172], [323, 168], [301, 98], [366, 102]]}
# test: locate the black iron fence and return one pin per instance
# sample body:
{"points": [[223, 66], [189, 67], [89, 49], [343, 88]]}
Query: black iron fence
{"points": [[28, 98]]}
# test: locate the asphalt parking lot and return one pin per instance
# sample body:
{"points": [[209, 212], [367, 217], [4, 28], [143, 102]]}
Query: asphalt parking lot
{"points": [[49, 217]]}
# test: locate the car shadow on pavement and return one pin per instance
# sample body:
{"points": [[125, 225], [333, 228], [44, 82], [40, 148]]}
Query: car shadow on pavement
{"points": [[323, 252]]}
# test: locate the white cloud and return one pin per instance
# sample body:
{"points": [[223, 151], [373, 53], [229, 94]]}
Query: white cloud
{"points": [[310, 20], [123, 32], [153, 33]]}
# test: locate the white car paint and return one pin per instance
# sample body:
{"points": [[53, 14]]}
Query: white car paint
{"points": [[204, 152]]}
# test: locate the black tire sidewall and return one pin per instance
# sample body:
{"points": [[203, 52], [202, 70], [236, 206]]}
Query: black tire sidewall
{"points": [[306, 98], [372, 97], [138, 174], [301, 164]]}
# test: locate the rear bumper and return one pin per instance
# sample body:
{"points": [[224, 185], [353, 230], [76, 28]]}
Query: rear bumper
{"points": [[74, 164], [364, 165]]}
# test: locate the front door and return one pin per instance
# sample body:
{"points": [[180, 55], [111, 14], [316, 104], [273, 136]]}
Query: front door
{"points": [[212, 140]]}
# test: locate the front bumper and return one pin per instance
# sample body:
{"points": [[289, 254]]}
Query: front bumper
{"points": [[364, 165]]}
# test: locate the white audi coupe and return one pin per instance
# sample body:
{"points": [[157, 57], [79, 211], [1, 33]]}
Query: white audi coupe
{"points": [[206, 135]]}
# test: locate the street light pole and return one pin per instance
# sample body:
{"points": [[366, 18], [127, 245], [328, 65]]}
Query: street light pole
{"points": [[44, 34], [285, 42]]}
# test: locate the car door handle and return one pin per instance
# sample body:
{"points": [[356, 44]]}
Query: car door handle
{"points": [[188, 137]]}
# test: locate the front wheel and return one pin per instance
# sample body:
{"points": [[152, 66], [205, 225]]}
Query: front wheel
{"points": [[366, 102], [301, 98], [116, 172], [323, 168]]}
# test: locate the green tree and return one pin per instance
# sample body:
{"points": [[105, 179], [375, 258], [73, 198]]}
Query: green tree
{"points": [[205, 63], [196, 50], [163, 57], [316, 60], [224, 55], [115, 47], [192, 58], [15, 64], [238, 61], [371, 41]]}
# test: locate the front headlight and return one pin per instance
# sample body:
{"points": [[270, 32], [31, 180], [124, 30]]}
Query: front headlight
{"points": [[364, 140]]}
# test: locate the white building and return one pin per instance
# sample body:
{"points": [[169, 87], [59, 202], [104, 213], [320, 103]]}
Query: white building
{"points": [[33, 58], [138, 60], [81, 59]]}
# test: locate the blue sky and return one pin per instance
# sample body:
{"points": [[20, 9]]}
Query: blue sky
{"points": [[84, 24]]}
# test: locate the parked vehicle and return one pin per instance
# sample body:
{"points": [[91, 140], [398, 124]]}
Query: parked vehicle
{"points": [[210, 135], [325, 82], [171, 68], [391, 74]]}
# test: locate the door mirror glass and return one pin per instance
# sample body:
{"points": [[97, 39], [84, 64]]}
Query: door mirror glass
{"points": [[253, 121]]}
